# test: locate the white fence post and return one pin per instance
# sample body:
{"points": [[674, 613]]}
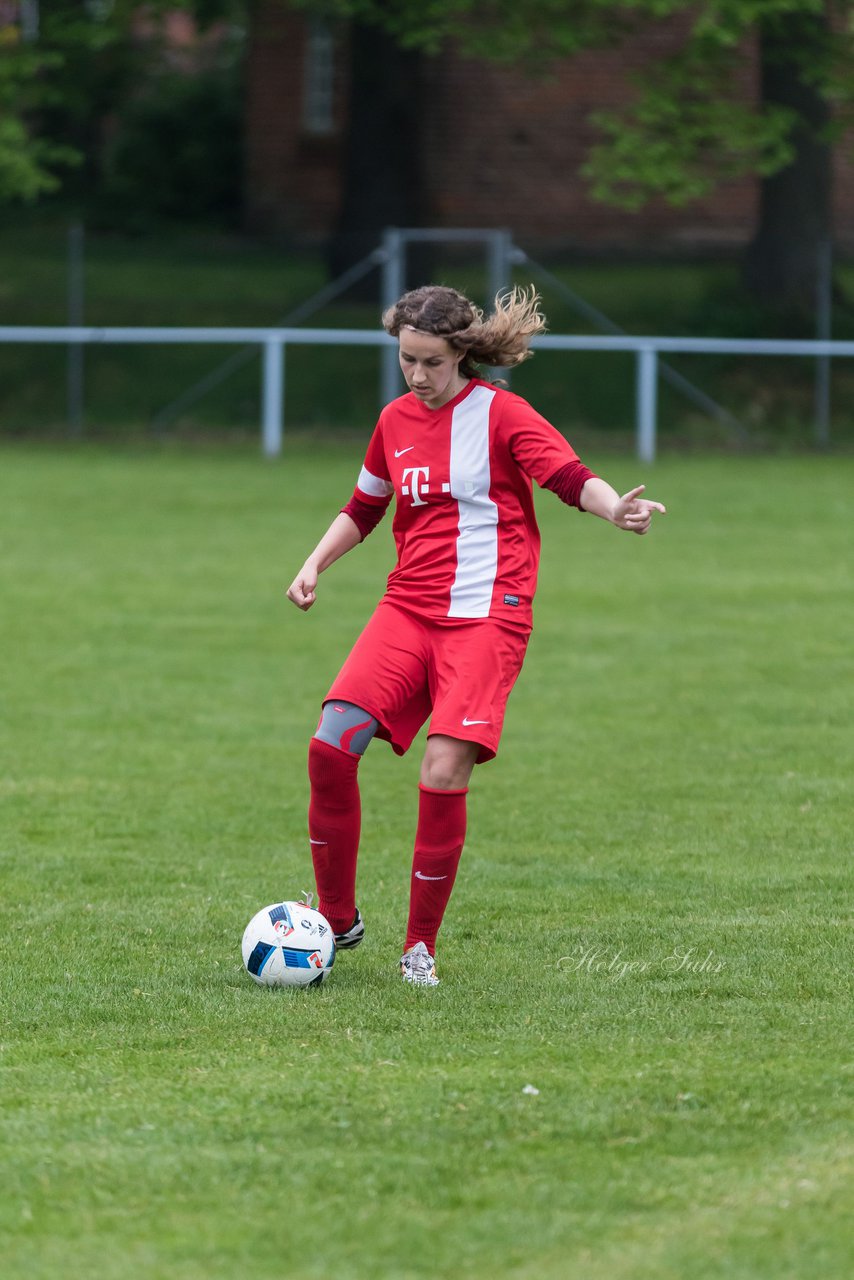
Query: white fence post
{"points": [[500, 266], [272, 395], [393, 285], [646, 408], [75, 362]]}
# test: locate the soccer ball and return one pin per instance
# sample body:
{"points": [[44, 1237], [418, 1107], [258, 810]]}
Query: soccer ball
{"points": [[288, 944]]}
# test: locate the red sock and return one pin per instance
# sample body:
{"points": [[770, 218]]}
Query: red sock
{"points": [[438, 845], [334, 826]]}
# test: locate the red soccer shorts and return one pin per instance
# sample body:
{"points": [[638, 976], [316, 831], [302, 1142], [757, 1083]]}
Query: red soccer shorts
{"points": [[403, 668]]}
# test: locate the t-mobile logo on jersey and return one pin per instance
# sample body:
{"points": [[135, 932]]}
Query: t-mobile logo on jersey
{"points": [[417, 487]]}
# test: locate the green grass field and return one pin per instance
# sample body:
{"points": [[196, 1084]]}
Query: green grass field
{"points": [[651, 926]]}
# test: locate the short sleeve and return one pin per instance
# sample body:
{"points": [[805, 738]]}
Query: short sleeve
{"points": [[537, 447], [374, 484]]}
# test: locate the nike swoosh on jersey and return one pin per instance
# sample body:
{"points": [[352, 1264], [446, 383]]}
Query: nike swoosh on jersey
{"points": [[398, 453], [310, 841], [418, 876], [467, 722]]}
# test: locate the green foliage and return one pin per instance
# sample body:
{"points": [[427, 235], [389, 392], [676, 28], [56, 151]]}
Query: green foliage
{"points": [[535, 33], [674, 779], [692, 124], [28, 163], [687, 132], [137, 138], [176, 152], [43, 86]]}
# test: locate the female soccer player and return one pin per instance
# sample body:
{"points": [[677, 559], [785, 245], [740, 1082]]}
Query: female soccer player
{"points": [[448, 638]]}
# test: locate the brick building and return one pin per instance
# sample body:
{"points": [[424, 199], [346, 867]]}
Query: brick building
{"points": [[497, 148]]}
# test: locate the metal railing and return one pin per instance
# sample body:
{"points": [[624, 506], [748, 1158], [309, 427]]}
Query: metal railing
{"points": [[273, 344]]}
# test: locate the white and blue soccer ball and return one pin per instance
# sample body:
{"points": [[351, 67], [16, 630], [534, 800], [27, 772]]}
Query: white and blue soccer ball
{"points": [[288, 944]]}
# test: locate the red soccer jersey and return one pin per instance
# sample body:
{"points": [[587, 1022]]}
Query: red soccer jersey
{"points": [[468, 544]]}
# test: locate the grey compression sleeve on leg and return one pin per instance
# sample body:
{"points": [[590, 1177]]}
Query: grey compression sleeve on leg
{"points": [[347, 727]]}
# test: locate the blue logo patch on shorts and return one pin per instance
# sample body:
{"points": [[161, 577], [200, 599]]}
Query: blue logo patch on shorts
{"points": [[514, 600]]}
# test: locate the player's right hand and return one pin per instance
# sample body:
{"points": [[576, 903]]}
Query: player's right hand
{"points": [[302, 591]]}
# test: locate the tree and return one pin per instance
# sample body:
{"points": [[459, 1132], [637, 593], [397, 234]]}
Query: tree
{"points": [[689, 127], [382, 180], [796, 215], [28, 163], [81, 83], [52, 89]]}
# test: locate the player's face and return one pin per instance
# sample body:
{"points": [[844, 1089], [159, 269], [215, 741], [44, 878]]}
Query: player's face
{"points": [[431, 367]]}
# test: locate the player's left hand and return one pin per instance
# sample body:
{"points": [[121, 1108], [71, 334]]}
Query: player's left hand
{"points": [[634, 513]]}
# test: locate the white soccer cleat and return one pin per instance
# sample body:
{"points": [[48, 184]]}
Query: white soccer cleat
{"points": [[418, 966], [353, 936]]}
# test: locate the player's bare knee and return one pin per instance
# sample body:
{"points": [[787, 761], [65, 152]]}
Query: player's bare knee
{"points": [[447, 764]]}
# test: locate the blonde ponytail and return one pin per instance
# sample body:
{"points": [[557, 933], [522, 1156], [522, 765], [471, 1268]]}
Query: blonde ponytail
{"points": [[504, 337]]}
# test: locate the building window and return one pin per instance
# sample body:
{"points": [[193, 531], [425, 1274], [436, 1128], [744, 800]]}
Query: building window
{"points": [[318, 79]]}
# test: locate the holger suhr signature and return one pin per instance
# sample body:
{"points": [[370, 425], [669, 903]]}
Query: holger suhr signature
{"points": [[607, 962]]}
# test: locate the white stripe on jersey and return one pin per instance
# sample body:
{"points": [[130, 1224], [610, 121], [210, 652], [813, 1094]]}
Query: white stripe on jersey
{"points": [[374, 485], [477, 543]]}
